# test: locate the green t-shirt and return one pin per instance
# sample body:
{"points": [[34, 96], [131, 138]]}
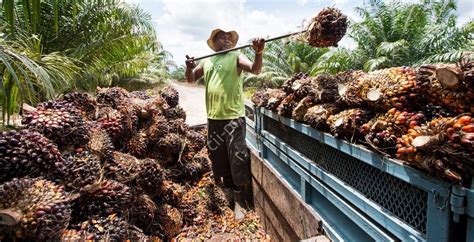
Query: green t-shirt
{"points": [[224, 88]]}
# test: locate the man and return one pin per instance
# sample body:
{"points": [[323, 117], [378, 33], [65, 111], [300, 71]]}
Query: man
{"points": [[225, 111]]}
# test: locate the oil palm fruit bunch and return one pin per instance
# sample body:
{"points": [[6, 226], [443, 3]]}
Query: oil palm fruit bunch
{"points": [[102, 198], [100, 144], [286, 106], [83, 101], [158, 128], [111, 121], [137, 145], [141, 95], [349, 84], [82, 168], [195, 141], [150, 175], [155, 106], [275, 98], [142, 212], [460, 135], [170, 146], [175, 113], [216, 199], [59, 121], [434, 111], [178, 126], [260, 97], [448, 86], [106, 228], [171, 193], [170, 95], [302, 107], [317, 115], [170, 220], [326, 90], [28, 153], [33, 209], [346, 123], [287, 85], [302, 87], [327, 28], [123, 167], [113, 96], [382, 131]]}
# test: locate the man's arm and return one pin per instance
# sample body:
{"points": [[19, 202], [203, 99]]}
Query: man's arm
{"points": [[256, 67], [193, 71]]}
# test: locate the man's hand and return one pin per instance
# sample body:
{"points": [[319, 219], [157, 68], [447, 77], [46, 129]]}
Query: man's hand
{"points": [[258, 44], [190, 63]]}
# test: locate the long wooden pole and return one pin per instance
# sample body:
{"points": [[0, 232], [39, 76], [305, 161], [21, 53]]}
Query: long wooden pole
{"points": [[248, 45]]}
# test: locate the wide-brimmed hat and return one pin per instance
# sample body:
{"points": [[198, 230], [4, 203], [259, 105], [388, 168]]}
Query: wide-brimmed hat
{"points": [[233, 34]]}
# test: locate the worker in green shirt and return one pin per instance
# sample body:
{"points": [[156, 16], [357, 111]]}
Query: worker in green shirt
{"points": [[226, 113]]}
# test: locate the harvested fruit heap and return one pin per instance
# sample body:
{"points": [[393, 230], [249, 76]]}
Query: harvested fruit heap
{"points": [[112, 167], [421, 116]]}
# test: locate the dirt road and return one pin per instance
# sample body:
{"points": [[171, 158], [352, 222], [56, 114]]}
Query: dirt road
{"points": [[192, 99]]}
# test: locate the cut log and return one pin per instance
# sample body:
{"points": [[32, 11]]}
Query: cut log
{"points": [[449, 77], [373, 95], [9, 217]]}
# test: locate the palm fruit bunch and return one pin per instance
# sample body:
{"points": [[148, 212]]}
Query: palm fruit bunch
{"points": [[303, 87], [460, 135], [28, 153], [100, 144], [275, 96], [287, 85], [316, 116], [450, 86], [175, 113], [158, 128], [326, 90], [170, 220], [349, 84], [112, 124], [327, 28], [102, 198], [150, 175], [382, 131], [434, 111], [83, 101], [123, 167], [113, 96], [178, 126], [105, 228], [171, 193], [142, 212], [302, 107], [33, 209], [81, 168], [59, 121], [170, 95], [346, 123], [141, 95], [137, 145], [216, 199], [195, 141], [170, 146], [286, 106]]}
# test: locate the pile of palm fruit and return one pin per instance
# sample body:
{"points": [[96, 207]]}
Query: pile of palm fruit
{"points": [[115, 166], [420, 116]]}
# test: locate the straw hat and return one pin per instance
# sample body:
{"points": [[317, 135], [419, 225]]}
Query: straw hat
{"points": [[233, 34]]}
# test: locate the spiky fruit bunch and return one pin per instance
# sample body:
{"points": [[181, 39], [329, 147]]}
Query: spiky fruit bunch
{"points": [[113, 96], [27, 153], [195, 141], [170, 145], [158, 128], [303, 87], [155, 106], [275, 96], [433, 111], [141, 95], [327, 28], [102, 198], [317, 115], [100, 144], [170, 95], [287, 85], [171, 193], [175, 113], [346, 123], [326, 90], [150, 176], [349, 88], [300, 110], [382, 131], [286, 106], [81, 169], [59, 121], [216, 199], [142, 213], [138, 144], [107, 228], [123, 167], [83, 101], [111, 121], [170, 219], [37, 209], [178, 126], [460, 135], [436, 86]]}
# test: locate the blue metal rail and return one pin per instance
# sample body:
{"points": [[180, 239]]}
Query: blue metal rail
{"points": [[360, 195]]}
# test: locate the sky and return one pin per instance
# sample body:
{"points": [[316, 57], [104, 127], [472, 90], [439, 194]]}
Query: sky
{"points": [[183, 26]]}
